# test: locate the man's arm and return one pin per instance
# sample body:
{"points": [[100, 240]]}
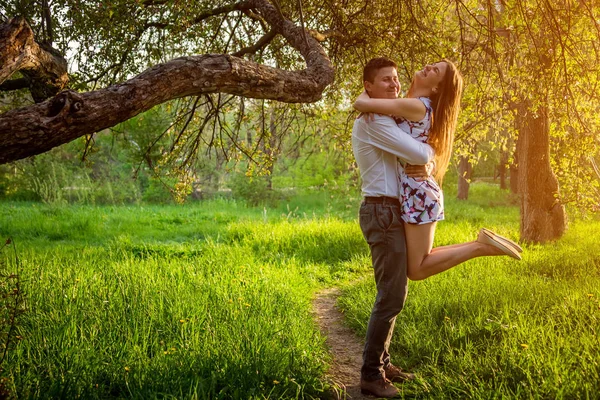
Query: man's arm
{"points": [[384, 134]]}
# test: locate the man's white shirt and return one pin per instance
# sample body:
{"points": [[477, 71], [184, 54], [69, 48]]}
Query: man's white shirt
{"points": [[377, 146]]}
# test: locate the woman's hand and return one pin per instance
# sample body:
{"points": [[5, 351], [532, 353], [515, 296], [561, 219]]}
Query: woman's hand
{"points": [[361, 98], [419, 172], [360, 101]]}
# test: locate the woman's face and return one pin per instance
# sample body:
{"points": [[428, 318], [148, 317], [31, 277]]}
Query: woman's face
{"points": [[431, 75]]}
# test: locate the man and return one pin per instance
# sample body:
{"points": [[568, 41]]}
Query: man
{"points": [[377, 145]]}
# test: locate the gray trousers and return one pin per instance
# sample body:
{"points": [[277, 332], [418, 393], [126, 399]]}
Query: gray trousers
{"points": [[382, 228]]}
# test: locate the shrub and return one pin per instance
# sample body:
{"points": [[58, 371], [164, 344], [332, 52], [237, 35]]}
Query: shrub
{"points": [[254, 190]]}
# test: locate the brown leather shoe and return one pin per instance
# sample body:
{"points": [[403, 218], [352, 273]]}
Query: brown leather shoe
{"points": [[396, 374], [380, 388]]}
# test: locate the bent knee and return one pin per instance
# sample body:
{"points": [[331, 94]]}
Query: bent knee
{"points": [[415, 275]]}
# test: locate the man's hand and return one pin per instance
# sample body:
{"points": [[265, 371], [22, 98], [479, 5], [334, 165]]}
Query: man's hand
{"points": [[419, 171]]}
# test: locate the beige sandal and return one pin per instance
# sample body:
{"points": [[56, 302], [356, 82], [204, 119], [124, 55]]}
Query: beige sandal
{"points": [[503, 239], [492, 240]]}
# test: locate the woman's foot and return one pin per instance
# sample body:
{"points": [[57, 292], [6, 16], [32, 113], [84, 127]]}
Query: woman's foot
{"points": [[488, 237], [506, 241]]}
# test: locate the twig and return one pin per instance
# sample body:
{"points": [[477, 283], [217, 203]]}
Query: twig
{"points": [[595, 167], [262, 42], [302, 22]]}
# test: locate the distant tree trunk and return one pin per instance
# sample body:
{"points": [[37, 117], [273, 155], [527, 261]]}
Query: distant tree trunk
{"points": [[502, 169], [513, 170], [542, 215], [465, 170]]}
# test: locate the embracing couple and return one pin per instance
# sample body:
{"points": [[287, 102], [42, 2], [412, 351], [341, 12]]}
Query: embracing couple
{"points": [[398, 143]]}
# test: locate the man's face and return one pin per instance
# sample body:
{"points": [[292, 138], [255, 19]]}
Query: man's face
{"points": [[385, 85]]}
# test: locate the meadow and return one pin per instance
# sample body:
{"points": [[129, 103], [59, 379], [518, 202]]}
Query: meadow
{"points": [[213, 300]]}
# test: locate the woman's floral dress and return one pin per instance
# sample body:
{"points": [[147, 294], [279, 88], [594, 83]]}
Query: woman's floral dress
{"points": [[422, 199]]}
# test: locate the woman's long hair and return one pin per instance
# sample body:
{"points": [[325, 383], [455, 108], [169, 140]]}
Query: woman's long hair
{"points": [[446, 105]]}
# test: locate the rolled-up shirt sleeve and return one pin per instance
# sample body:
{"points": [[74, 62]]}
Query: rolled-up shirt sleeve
{"points": [[384, 134]]}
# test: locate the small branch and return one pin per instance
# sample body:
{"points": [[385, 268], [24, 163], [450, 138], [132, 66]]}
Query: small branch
{"points": [[47, 18], [262, 42], [241, 6], [102, 73], [116, 67], [14, 84], [153, 2], [255, 17], [302, 25], [187, 122], [595, 166], [323, 36]]}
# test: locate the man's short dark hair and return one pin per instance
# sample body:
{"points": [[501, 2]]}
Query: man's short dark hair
{"points": [[374, 65]]}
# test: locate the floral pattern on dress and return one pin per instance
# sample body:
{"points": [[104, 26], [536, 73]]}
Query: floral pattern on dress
{"points": [[422, 199]]}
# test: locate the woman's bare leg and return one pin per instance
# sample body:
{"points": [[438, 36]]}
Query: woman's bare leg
{"points": [[423, 261]]}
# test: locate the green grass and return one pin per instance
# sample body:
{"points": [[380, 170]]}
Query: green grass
{"points": [[213, 300], [194, 322], [208, 300]]}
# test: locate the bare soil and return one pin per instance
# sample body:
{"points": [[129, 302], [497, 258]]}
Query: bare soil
{"points": [[345, 347]]}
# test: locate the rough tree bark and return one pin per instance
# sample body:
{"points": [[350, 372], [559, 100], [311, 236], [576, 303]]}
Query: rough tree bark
{"points": [[45, 69], [543, 217], [36, 129]]}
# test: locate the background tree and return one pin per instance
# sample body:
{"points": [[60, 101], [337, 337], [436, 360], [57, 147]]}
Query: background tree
{"points": [[543, 50]]}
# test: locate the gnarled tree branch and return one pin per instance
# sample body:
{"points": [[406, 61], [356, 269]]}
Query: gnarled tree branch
{"points": [[46, 69], [35, 129]]}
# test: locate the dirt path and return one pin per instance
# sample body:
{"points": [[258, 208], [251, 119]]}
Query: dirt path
{"points": [[345, 347]]}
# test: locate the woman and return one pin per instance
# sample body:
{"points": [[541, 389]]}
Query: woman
{"points": [[429, 113]]}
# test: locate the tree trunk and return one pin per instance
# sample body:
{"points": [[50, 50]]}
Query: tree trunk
{"points": [[465, 170], [36, 129], [543, 216], [502, 168]]}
